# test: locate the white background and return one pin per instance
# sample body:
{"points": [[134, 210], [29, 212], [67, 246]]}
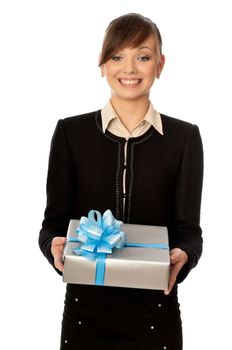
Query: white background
{"points": [[49, 51]]}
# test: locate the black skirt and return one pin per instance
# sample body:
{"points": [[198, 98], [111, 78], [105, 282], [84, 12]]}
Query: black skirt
{"points": [[120, 319]]}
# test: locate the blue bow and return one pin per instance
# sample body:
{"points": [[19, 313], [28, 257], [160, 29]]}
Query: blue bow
{"points": [[99, 234]]}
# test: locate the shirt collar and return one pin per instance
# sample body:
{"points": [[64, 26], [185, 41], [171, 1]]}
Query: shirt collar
{"points": [[152, 116]]}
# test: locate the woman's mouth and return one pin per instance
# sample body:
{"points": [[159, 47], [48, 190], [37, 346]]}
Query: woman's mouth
{"points": [[130, 82]]}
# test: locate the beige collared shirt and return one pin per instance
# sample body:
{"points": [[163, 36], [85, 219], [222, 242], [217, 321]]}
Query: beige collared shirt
{"points": [[112, 123]]}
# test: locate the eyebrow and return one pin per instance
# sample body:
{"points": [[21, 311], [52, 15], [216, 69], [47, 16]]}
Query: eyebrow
{"points": [[141, 48], [145, 47]]}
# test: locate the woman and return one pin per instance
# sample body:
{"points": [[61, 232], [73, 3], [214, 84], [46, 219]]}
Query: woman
{"points": [[144, 166]]}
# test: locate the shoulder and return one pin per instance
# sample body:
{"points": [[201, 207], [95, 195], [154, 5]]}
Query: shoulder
{"points": [[75, 129], [180, 134], [177, 127], [78, 120], [178, 124], [78, 124]]}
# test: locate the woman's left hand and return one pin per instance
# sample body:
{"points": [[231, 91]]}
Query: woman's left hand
{"points": [[177, 258]]}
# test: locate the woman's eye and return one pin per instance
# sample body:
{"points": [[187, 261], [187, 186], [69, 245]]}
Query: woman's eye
{"points": [[116, 58], [143, 58]]}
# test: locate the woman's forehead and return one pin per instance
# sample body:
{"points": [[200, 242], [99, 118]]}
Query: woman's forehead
{"points": [[148, 43]]}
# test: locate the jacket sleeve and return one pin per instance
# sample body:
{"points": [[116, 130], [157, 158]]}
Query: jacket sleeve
{"points": [[187, 202], [59, 192]]}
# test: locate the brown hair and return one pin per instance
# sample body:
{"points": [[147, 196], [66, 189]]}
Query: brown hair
{"points": [[129, 30]]}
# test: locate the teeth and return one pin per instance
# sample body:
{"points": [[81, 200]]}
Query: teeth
{"points": [[130, 82]]}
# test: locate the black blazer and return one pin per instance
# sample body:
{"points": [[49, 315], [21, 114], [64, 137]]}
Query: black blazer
{"points": [[163, 182]]}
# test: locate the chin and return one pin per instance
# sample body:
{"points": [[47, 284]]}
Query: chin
{"points": [[131, 97]]}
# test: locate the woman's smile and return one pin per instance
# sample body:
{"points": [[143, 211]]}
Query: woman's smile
{"points": [[130, 82]]}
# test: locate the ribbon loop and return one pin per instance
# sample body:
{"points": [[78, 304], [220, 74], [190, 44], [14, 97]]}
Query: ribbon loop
{"points": [[91, 217]]}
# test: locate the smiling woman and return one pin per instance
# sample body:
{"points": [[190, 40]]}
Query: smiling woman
{"points": [[130, 74], [131, 59], [147, 169]]}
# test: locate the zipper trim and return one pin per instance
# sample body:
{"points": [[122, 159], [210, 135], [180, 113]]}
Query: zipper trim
{"points": [[131, 180], [117, 176]]}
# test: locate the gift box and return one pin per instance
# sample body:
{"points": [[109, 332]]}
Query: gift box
{"points": [[143, 262]]}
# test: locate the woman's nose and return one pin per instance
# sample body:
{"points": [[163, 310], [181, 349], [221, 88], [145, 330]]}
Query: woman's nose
{"points": [[130, 66]]}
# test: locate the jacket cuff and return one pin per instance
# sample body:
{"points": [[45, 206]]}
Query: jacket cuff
{"points": [[190, 264]]}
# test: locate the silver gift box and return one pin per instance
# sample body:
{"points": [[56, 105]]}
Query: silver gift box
{"points": [[131, 267]]}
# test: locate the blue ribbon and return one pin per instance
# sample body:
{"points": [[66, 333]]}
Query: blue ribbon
{"points": [[99, 235]]}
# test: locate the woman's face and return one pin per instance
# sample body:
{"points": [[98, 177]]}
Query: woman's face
{"points": [[131, 72]]}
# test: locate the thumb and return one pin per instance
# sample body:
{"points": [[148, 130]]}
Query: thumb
{"points": [[175, 255], [174, 258], [58, 241]]}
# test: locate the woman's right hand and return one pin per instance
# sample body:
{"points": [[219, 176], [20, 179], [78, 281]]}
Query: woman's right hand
{"points": [[57, 249]]}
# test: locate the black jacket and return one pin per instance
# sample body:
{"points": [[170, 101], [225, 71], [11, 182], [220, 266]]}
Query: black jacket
{"points": [[163, 182]]}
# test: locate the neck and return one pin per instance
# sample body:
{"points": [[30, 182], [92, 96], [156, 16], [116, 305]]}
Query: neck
{"points": [[131, 112]]}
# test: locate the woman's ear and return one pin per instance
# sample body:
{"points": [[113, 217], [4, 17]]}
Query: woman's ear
{"points": [[102, 68], [160, 66]]}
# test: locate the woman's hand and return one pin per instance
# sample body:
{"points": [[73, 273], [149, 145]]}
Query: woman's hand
{"points": [[57, 249], [178, 258]]}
